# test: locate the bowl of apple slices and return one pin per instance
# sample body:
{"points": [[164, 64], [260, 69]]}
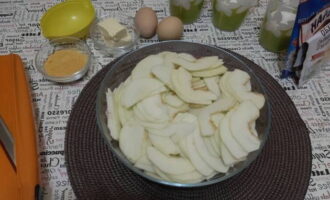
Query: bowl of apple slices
{"points": [[183, 114]]}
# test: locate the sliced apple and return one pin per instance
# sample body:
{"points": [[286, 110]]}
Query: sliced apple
{"points": [[153, 109], [239, 84], [209, 146], [131, 141], [188, 57], [143, 162], [216, 119], [124, 114], [214, 162], [169, 164], [226, 156], [244, 115], [164, 144], [212, 85], [205, 113], [162, 174], [191, 177], [163, 73], [112, 115], [191, 125], [228, 139], [195, 158], [143, 68], [138, 89], [210, 72], [181, 80], [172, 100], [199, 64]]}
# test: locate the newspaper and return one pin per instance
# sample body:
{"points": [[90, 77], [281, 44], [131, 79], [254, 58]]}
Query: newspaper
{"points": [[20, 34]]}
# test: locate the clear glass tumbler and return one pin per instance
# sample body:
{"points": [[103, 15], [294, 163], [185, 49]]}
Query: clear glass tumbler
{"points": [[187, 10], [228, 15], [277, 25]]}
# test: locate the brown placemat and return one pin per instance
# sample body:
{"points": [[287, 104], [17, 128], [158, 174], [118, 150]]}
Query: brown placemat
{"points": [[282, 171]]}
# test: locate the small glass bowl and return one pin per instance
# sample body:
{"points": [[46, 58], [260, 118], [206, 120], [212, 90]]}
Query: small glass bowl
{"points": [[54, 45], [108, 48]]}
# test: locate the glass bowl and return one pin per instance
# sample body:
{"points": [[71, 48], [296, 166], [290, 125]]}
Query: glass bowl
{"points": [[108, 48], [121, 69], [54, 45]]}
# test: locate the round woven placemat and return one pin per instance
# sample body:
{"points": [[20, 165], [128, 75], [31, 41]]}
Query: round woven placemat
{"points": [[281, 171]]}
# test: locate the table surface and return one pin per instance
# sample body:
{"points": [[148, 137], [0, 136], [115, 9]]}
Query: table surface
{"points": [[20, 34]]}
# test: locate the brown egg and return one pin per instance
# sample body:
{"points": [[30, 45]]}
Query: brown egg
{"points": [[146, 22], [170, 28]]}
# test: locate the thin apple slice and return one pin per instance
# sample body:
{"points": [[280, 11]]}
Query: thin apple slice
{"points": [[143, 68], [153, 109], [221, 105], [163, 73], [228, 139], [195, 158], [244, 115], [239, 84], [112, 115], [172, 128], [124, 114], [144, 164], [191, 177], [162, 174], [172, 100], [138, 89], [197, 83], [199, 64], [190, 125], [212, 85], [209, 146], [216, 119], [214, 162], [226, 156], [131, 141], [188, 57], [169, 164], [210, 72], [164, 144], [223, 87], [181, 80]]}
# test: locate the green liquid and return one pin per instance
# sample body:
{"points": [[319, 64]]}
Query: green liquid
{"points": [[225, 22], [187, 16], [273, 43]]}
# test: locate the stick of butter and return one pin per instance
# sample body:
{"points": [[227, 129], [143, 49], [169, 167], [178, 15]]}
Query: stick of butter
{"points": [[112, 30]]}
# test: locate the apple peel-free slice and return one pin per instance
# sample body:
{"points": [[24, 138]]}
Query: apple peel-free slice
{"points": [[112, 115], [169, 164], [143, 68], [228, 139], [195, 158], [244, 115], [215, 162], [181, 80], [210, 72], [138, 89], [191, 177], [199, 64], [131, 141], [164, 144]]}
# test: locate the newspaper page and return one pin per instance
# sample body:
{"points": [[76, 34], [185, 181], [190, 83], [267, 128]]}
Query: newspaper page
{"points": [[20, 33]]}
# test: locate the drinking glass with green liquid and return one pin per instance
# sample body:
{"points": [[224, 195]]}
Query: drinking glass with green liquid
{"points": [[277, 25], [228, 15], [187, 10]]}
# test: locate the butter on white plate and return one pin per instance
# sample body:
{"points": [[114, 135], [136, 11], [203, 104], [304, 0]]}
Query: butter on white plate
{"points": [[114, 32]]}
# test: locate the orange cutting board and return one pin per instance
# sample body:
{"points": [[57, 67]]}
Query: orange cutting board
{"points": [[16, 112]]}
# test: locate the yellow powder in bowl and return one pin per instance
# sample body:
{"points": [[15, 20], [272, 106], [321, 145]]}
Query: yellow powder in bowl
{"points": [[65, 62]]}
